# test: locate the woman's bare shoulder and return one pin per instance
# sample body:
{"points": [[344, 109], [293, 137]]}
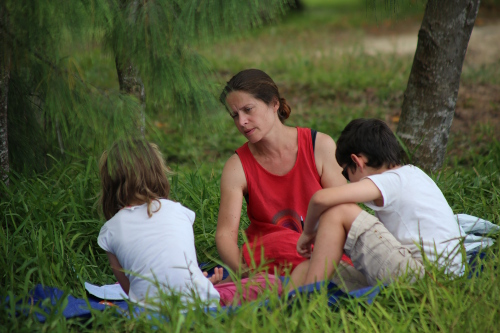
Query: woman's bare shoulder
{"points": [[233, 174], [233, 163], [324, 147], [324, 141], [328, 168]]}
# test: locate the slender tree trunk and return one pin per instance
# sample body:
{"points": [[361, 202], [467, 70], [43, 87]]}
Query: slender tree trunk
{"points": [[131, 83], [4, 93], [128, 76], [431, 94], [296, 5]]}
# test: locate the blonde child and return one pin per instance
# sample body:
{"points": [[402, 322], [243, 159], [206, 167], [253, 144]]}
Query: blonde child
{"points": [[148, 238]]}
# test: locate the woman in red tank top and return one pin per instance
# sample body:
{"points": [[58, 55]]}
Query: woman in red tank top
{"points": [[276, 172]]}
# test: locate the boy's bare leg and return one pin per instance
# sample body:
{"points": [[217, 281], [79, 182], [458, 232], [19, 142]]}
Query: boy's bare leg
{"points": [[333, 227], [298, 276]]}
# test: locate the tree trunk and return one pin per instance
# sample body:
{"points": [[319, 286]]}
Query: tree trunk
{"points": [[131, 83], [296, 5], [4, 93], [431, 94], [128, 76]]}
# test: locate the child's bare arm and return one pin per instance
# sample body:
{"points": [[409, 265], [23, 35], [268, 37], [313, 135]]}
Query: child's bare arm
{"points": [[217, 276], [118, 272], [362, 191]]}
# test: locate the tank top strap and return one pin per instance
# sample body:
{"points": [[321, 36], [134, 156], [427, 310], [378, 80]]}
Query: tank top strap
{"points": [[305, 155]]}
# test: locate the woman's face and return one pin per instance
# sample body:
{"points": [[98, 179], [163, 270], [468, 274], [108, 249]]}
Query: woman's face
{"points": [[252, 116]]}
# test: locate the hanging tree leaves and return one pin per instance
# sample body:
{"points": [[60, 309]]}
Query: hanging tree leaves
{"points": [[53, 107]]}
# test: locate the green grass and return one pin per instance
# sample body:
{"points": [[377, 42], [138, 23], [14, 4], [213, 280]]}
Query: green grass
{"points": [[50, 221]]}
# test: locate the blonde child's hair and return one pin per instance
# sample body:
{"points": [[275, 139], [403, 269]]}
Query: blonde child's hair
{"points": [[132, 171]]}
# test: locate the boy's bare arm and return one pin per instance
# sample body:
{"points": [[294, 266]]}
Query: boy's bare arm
{"points": [[362, 191]]}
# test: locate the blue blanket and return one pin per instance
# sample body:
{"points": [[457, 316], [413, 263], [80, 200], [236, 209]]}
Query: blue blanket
{"points": [[44, 300], [47, 301]]}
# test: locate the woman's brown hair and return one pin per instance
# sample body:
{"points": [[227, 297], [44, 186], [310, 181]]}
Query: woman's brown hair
{"points": [[132, 171], [259, 85]]}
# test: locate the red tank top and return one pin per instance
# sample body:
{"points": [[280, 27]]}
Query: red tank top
{"points": [[277, 202], [276, 207]]}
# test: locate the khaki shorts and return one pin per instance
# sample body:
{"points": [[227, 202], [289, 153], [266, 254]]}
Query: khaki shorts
{"points": [[348, 278], [377, 254]]}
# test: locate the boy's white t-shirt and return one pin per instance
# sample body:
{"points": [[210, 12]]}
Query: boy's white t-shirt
{"points": [[416, 212], [158, 248]]}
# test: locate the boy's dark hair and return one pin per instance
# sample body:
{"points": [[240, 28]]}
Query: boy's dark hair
{"points": [[372, 138]]}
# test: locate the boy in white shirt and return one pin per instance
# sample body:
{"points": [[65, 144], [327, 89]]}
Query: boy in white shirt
{"points": [[412, 215]]}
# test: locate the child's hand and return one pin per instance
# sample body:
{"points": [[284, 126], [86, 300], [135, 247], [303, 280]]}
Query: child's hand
{"points": [[217, 276], [304, 244]]}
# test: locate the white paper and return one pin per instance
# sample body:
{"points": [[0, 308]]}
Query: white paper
{"points": [[111, 292]]}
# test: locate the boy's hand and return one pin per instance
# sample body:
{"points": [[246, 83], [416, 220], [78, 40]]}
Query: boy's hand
{"points": [[304, 244], [217, 276]]}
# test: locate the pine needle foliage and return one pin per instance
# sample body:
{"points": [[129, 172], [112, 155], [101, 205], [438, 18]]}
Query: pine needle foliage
{"points": [[53, 106]]}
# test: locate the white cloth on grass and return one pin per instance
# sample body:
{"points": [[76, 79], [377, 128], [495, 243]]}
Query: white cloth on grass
{"points": [[476, 229]]}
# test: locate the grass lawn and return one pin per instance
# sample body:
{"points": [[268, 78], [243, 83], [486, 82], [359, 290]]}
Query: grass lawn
{"points": [[50, 221]]}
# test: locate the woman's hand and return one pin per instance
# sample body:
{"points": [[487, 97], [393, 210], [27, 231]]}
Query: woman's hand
{"points": [[217, 276], [304, 244]]}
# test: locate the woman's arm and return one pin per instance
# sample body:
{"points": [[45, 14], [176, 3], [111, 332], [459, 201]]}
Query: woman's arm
{"points": [[232, 186], [118, 272], [328, 168]]}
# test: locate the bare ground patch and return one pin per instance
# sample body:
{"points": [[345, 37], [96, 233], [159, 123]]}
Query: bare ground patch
{"points": [[477, 113]]}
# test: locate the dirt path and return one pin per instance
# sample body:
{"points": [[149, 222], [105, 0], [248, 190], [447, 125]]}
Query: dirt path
{"points": [[484, 44]]}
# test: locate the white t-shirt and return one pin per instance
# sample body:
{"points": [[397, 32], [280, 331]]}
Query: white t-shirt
{"points": [[158, 248], [416, 212]]}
